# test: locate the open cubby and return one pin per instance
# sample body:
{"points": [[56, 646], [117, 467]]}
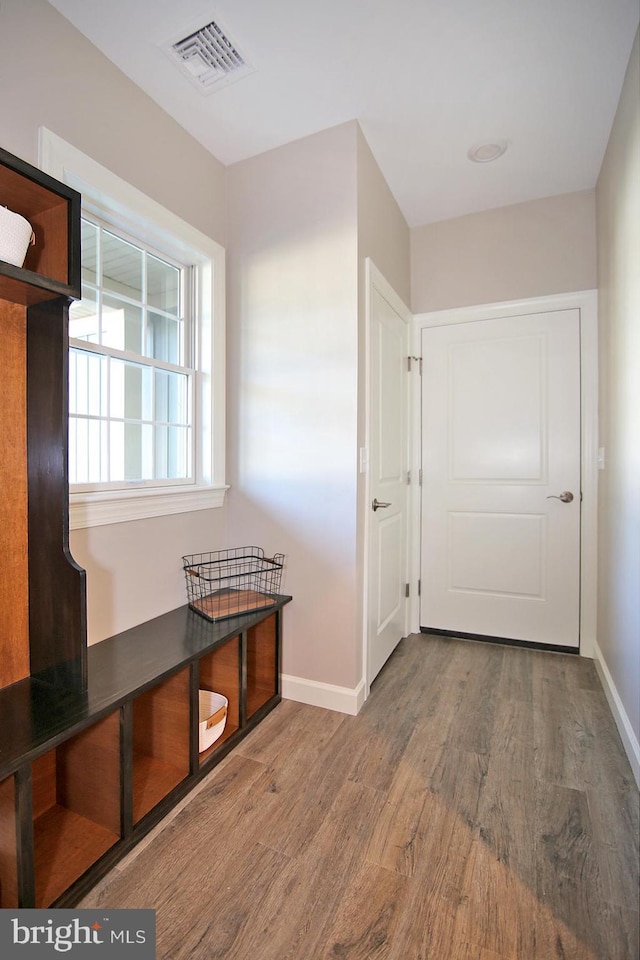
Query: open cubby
{"points": [[160, 742], [8, 846], [53, 210], [220, 671], [76, 806], [262, 664]]}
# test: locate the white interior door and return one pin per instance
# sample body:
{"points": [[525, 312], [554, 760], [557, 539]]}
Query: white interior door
{"points": [[500, 552], [387, 506]]}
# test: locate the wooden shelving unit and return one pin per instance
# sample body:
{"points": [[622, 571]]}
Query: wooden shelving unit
{"points": [[42, 590], [97, 744], [160, 742]]}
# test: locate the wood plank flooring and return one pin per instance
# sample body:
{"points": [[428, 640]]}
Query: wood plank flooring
{"points": [[480, 807]]}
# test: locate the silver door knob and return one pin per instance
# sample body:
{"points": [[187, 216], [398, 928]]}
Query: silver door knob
{"points": [[566, 496], [379, 503]]}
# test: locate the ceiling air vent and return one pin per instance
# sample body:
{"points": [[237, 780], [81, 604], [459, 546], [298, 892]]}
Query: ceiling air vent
{"points": [[209, 58]]}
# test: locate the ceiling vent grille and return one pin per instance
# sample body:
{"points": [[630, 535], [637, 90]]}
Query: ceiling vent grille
{"points": [[209, 58]]}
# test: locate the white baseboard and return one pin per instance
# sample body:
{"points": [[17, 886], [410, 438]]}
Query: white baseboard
{"points": [[316, 694], [629, 739]]}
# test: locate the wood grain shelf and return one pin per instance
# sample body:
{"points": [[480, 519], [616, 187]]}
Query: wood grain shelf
{"points": [[52, 265], [66, 844], [220, 671], [153, 780], [229, 730], [74, 823], [161, 734], [262, 664]]}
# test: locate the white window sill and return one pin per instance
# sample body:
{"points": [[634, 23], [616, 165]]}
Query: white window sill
{"points": [[121, 506]]}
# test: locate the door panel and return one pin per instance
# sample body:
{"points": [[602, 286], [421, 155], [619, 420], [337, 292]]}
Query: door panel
{"points": [[501, 435], [387, 554]]}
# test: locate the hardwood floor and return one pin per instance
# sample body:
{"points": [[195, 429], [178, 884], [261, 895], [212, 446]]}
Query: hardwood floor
{"points": [[480, 807]]}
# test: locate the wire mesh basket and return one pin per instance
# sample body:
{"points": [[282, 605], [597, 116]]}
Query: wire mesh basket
{"points": [[226, 583]]}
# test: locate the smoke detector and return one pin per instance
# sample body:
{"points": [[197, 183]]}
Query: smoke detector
{"points": [[486, 152], [208, 57]]}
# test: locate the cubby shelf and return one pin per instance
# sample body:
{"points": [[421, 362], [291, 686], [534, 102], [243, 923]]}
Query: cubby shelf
{"points": [[220, 671], [99, 768]]}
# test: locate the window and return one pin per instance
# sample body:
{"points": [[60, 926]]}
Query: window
{"points": [[146, 355], [131, 371]]}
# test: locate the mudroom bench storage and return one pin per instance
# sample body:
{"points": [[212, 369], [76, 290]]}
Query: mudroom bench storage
{"points": [[96, 743], [85, 774]]}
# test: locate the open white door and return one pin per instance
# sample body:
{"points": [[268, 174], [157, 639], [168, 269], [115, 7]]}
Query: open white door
{"points": [[501, 478], [387, 555]]}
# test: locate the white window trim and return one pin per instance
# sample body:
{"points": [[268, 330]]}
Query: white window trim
{"points": [[113, 200]]}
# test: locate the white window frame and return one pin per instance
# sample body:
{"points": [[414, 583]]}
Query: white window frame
{"points": [[124, 207]]}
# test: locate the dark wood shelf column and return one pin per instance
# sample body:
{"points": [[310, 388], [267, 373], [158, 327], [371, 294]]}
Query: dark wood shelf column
{"points": [[57, 585]]}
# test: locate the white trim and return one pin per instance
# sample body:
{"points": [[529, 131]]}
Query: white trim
{"points": [[121, 506], [586, 301], [114, 200], [374, 279], [316, 694], [627, 735]]}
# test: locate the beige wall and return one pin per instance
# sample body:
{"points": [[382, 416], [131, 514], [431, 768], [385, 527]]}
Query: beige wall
{"points": [[525, 250], [618, 217], [383, 233], [52, 76], [292, 368]]}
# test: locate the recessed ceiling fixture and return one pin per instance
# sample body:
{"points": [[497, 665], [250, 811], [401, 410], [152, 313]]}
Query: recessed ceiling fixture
{"points": [[486, 152], [208, 57]]}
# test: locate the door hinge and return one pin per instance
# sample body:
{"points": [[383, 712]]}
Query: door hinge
{"points": [[409, 364], [419, 361], [406, 589], [408, 478], [419, 588], [420, 477]]}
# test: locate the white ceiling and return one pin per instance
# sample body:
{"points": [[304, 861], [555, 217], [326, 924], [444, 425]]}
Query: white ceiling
{"points": [[427, 79]]}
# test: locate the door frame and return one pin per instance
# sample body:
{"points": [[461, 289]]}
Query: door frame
{"points": [[586, 302], [375, 280]]}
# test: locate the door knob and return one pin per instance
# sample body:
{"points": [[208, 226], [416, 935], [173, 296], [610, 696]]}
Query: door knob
{"points": [[379, 503], [566, 496]]}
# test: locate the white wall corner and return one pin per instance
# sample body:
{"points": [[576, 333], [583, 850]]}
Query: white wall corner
{"points": [[627, 735], [316, 694]]}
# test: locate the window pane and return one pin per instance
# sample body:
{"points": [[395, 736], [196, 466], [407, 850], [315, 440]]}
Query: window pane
{"points": [[163, 338], [172, 452], [130, 391], [87, 383], [171, 393], [138, 451], [89, 241], [87, 450], [121, 266], [83, 317], [163, 286], [121, 325]]}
